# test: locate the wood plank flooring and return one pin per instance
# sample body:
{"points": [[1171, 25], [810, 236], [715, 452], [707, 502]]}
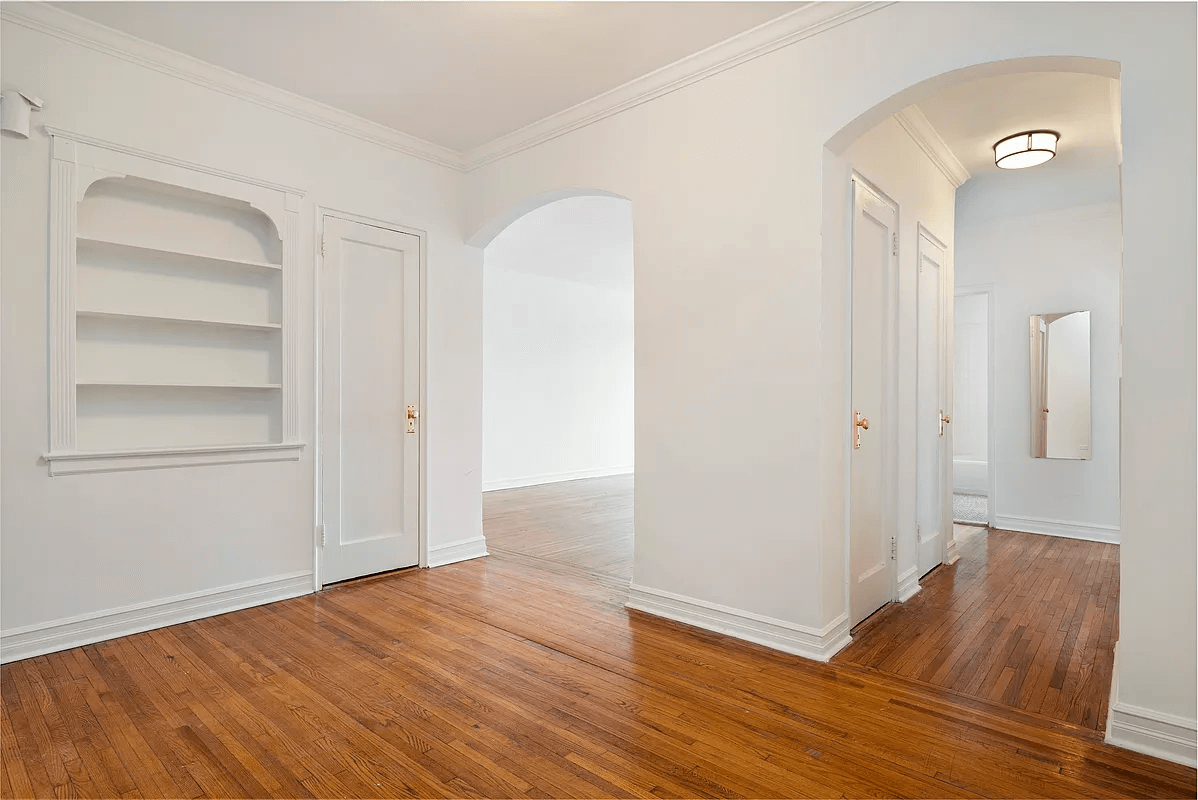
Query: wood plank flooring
{"points": [[513, 676], [1024, 620], [584, 524]]}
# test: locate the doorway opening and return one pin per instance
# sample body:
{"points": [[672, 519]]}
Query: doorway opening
{"points": [[999, 502], [557, 472]]}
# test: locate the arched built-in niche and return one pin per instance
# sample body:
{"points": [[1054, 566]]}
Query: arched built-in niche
{"points": [[172, 313]]}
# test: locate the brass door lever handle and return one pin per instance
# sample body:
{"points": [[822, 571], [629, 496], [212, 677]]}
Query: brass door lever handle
{"points": [[860, 423]]}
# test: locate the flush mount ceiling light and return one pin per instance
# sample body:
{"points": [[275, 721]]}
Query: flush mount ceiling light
{"points": [[1026, 149]]}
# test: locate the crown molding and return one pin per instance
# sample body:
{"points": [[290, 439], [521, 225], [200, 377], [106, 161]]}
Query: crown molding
{"points": [[69, 27], [804, 22], [921, 130]]}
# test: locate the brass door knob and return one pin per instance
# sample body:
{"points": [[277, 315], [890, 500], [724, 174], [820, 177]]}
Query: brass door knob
{"points": [[945, 418], [863, 423]]}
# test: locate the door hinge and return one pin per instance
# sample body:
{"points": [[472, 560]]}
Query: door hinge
{"points": [[919, 533], [894, 244], [324, 246], [320, 533], [893, 548]]}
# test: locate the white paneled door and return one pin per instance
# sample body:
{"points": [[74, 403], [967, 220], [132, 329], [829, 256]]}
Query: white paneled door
{"points": [[370, 386], [874, 256], [932, 406]]}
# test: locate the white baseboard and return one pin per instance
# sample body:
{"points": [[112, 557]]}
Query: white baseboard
{"points": [[789, 637], [1149, 732], [1056, 527], [557, 477], [908, 584], [1153, 733], [461, 550], [50, 637], [951, 556]]}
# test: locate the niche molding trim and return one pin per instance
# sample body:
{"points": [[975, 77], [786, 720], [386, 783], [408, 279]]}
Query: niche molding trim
{"points": [[151, 366]]}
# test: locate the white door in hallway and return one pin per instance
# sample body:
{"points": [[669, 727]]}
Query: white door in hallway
{"points": [[874, 260], [932, 406], [370, 329]]}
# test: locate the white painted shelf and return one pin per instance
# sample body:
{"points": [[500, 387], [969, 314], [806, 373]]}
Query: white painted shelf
{"points": [[123, 249], [151, 385], [151, 318]]}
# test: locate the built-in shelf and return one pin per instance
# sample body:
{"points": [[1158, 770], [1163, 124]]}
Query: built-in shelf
{"points": [[105, 246], [173, 307], [152, 318], [153, 385]]}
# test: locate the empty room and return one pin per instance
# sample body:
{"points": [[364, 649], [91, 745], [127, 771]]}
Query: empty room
{"points": [[598, 399]]}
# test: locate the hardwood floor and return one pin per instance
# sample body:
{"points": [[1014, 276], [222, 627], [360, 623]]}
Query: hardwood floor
{"points": [[513, 676], [584, 524], [1024, 620]]}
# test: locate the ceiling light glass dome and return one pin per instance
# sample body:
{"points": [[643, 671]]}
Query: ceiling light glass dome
{"points": [[1026, 149]]}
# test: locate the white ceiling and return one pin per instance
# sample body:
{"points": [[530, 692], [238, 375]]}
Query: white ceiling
{"points": [[582, 239], [458, 74], [971, 117]]}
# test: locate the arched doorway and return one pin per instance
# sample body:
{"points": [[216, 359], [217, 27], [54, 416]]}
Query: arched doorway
{"points": [[558, 397], [1014, 644]]}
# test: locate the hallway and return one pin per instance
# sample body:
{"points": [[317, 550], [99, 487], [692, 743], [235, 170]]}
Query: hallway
{"points": [[1025, 620]]}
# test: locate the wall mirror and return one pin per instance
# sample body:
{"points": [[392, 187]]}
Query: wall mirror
{"points": [[1061, 385]]}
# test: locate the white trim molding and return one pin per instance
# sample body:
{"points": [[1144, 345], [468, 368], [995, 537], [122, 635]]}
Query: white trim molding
{"points": [[1055, 527], [908, 584], [63, 634], [79, 462], [556, 477], [808, 20], [802, 23], [912, 120], [452, 552], [819, 644], [69, 27], [1153, 733]]}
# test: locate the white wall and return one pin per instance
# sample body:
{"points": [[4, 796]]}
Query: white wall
{"points": [[1048, 239], [558, 345], [971, 386], [739, 313], [86, 544]]}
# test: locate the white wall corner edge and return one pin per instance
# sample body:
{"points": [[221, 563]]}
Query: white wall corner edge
{"points": [[556, 477], [908, 584], [461, 550], [51, 637], [1108, 534], [1149, 732], [818, 644], [1153, 733]]}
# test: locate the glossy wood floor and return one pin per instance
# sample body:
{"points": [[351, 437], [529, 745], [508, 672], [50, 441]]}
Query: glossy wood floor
{"points": [[575, 525], [500, 677], [1024, 620]]}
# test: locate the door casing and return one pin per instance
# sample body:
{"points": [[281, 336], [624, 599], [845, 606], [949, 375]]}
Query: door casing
{"points": [[318, 364], [944, 390], [889, 405]]}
